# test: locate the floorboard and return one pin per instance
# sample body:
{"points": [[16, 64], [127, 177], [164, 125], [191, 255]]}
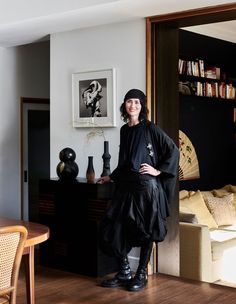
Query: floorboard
{"points": [[58, 287]]}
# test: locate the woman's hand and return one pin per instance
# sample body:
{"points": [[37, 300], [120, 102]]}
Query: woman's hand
{"points": [[104, 179], [147, 169]]}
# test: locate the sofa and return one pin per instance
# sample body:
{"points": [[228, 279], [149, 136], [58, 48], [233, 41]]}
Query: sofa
{"points": [[208, 234]]}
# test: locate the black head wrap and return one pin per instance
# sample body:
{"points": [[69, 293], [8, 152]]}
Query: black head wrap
{"points": [[137, 94]]}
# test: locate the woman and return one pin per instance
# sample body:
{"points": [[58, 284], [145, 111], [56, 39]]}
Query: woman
{"points": [[144, 182]]}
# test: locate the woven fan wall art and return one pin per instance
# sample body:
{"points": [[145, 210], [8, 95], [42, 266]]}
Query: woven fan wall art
{"points": [[188, 164]]}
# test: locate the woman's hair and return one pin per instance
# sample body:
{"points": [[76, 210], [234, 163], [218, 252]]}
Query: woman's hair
{"points": [[136, 94]]}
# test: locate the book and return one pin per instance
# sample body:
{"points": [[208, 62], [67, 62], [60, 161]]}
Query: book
{"points": [[212, 72], [222, 90], [201, 67]]}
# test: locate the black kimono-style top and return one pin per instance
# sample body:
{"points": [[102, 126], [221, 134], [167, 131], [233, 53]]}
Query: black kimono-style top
{"points": [[147, 143], [133, 147]]}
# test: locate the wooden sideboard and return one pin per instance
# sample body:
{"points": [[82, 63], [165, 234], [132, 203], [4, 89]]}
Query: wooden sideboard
{"points": [[72, 211]]}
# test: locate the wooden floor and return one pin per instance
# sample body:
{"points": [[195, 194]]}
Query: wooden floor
{"points": [[53, 286]]}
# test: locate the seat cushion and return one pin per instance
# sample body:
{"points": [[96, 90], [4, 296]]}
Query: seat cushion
{"points": [[221, 240]]}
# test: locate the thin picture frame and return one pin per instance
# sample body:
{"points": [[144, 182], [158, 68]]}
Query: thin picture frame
{"points": [[94, 98]]}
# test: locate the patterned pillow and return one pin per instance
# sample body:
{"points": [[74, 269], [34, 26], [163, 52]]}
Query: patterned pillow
{"points": [[222, 209]]}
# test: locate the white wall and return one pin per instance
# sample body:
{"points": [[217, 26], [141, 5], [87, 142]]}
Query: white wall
{"points": [[9, 137], [24, 73], [121, 46]]}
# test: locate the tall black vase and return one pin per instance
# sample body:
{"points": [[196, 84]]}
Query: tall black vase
{"points": [[106, 160]]}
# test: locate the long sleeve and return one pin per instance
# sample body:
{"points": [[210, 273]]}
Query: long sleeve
{"points": [[167, 159]]}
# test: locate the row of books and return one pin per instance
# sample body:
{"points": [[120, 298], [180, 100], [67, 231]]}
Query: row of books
{"points": [[197, 68], [208, 89]]}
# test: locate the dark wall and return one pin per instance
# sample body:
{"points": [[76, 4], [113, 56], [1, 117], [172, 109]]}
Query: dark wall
{"points": [[209, 125], [213, 51], [208, 122]]}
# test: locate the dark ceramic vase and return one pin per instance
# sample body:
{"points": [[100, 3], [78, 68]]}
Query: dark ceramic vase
{"points": [[90, 173]]}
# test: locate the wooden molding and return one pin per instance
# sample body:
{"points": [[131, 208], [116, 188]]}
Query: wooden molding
{"points": [[209, 14], [148, 63]]}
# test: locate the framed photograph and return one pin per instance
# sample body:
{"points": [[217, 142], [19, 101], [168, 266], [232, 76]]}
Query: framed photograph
{"points": [[94, 98]]}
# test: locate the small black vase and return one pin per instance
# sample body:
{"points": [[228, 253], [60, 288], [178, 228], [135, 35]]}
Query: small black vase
{"points": [[90, 173], [106, 160]]}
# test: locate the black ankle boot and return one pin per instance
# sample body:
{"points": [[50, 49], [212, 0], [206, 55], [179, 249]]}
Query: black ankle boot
{"points": [[139, 281], [122, 278]]}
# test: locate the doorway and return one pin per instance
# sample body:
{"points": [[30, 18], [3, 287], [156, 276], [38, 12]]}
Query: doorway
{"points": [[159, 29], [35, 153]]}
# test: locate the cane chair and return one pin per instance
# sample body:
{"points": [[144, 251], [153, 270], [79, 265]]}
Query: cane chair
{"points": [[12, 241]]}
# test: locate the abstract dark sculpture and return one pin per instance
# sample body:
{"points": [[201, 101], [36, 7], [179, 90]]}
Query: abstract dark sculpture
{"points": [[67, 169], [106, 160]]}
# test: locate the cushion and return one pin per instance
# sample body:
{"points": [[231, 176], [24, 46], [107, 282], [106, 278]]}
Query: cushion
{"points": [[222, 209], [229, 188], [196, 204], [183, 194], [225, 191], [232, 188], [188, 217], [220, 192]]}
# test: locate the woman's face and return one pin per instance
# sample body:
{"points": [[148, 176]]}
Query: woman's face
{"points": [[133, 107]]}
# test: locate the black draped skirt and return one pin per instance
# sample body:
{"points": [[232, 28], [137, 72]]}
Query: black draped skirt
{"points": [[137, 214]]}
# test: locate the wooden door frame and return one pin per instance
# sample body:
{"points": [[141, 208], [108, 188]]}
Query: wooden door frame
{"points": [[168, 251], [24, 100]]}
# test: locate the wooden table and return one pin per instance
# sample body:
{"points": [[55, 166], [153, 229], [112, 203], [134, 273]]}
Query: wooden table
{"points": [[37, 234]]}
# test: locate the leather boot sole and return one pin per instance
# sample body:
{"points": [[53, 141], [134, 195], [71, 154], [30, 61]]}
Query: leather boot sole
{"points": [[113, 283], [136, 286]]}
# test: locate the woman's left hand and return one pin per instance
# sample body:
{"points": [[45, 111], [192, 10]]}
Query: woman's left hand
{"points": [[147, 169]]}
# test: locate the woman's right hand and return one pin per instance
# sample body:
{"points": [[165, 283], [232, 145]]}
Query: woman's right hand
{"points": [[104, 179]]}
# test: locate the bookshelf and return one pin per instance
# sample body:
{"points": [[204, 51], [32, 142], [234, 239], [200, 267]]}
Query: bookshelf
{"points": [[207, 106], [196, 77], [208, 68]]}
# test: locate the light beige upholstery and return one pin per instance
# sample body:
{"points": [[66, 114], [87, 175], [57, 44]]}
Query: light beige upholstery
{"points": [[12, 240], [195, 253], [204, 250]]}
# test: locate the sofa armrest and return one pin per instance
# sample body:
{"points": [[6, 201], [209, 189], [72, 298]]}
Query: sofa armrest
{"points": [[195, 252]]}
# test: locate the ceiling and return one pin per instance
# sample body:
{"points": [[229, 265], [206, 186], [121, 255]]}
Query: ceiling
{"points": [[28, 21]]}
